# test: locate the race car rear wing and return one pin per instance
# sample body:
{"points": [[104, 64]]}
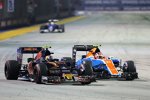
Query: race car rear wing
{"points": [[81, 48], [29, 50], [53, 20], [84, 47], [26, 50]]}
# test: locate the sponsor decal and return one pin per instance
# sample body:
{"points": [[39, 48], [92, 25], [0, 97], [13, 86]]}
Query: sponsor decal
{"points": [[1, 5], [30, 49], [10, 5]]}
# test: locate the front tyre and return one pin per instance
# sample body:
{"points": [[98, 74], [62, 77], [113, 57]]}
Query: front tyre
{"points": [[61, 28], [129, 70], [85, 83], [40, 70], [42, 28]]}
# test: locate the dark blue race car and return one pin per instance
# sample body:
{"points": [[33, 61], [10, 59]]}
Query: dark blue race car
{"points": [[43, 71], [52, 26]]}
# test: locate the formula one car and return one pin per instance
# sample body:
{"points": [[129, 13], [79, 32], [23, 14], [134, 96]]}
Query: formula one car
{"points": [[52, 26], [103, 67], [43, 71]]}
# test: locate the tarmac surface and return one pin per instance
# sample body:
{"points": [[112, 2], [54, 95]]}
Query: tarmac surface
{"points": [[121, 34]]}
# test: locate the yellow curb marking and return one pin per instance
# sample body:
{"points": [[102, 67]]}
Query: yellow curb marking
{"points": [[21, 31]]}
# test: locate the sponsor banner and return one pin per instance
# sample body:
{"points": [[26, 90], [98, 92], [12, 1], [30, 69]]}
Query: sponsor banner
{"points": [[1, 5], [10, 5], [93, 1]]}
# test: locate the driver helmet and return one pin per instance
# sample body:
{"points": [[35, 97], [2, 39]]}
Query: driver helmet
{"points": [[52, 23], [99, 55], [49, 57]]}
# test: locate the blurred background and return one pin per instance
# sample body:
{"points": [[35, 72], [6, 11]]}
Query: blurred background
{"points": [[15, 13]]}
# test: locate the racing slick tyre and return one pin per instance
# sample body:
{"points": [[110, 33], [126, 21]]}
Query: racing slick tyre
{"points": [[68, 61], [30, 59], [129, 70], [39, 71], [61, 28], [88, 68], [88, 71], [85, 83], [12, 69], [105, 75], [42, 28]]}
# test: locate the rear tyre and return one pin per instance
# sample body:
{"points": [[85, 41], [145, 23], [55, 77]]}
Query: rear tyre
{"points": [[11, 70], [41, 32], [68, 61], [30, 59], [42, 28], [88, 71], [88, 68], [40, 70]]}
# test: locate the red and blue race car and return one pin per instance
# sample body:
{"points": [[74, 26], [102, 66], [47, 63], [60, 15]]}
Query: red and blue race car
{"points": [[42, 71]]}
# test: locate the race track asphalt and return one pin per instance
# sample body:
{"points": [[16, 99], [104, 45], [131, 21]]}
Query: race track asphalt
{"points": [[121, 34]]}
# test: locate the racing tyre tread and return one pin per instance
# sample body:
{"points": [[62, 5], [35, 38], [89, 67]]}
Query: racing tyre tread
{"points": [[88, 68], [85, 83], [12, 69], [131, 66], [68, 61], [40, 70], [62, 28], [130, 71]]}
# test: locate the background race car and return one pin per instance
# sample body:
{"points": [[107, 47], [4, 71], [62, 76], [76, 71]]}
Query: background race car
{"points": [[52, 26]]}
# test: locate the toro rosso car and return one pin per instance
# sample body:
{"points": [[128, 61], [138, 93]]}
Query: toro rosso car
{"points": [[104, 67], [43, 72], [52, 26]]}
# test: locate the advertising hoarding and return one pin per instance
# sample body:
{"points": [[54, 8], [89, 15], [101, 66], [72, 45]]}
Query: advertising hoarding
{"points": [[10, 5]]}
